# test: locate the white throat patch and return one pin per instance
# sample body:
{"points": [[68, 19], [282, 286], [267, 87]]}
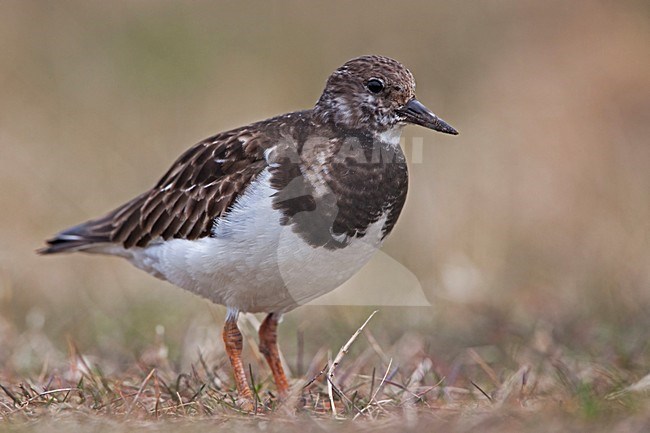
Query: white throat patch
{"points": [[391, 136]]}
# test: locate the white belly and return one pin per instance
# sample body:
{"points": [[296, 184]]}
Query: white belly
{"points": [[253, 263]]}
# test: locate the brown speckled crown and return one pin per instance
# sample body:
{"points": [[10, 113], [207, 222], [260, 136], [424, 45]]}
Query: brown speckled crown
{"points": [[347, 104]]}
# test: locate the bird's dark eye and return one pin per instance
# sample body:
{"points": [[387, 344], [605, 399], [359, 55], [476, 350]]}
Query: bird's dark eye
{"points": [[375, 85]]}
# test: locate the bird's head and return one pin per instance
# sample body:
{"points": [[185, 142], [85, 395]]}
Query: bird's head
{"points": [[377, 94]]}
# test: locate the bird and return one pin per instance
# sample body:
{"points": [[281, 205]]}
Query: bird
{"points": [[267, 217]]}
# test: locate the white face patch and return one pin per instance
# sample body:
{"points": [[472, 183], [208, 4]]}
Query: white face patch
{"points": [[343, 110]]}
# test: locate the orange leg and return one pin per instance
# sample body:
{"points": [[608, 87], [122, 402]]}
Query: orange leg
{"points": [[233, 342], [269, 348]]}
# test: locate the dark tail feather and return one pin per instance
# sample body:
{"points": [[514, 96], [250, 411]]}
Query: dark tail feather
{"points": [[90, 234], [77, 238]]}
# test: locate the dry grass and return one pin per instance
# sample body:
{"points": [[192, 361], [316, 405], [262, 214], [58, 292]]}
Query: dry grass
{"points": [[545, 386]]}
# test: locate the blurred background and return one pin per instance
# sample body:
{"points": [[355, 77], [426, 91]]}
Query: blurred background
{"points": [[536, 217]]}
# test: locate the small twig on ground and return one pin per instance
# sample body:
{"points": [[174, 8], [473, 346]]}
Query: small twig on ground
{"points": [[137, 395], [340, 394], [372, 400], [515, 382], [480, 389], [375, 346], [383, 380], [156, 386], [339, 356], [346, 347], [484, 365], [15, 399], [181, 404], [6, 406], [254, 386], [329, 385], [315, 378]]}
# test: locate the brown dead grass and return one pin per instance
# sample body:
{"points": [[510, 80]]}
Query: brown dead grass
{"points": [[548, 387]]}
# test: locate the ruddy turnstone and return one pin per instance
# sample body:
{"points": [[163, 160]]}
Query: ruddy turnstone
{"points": [[269, 216]]}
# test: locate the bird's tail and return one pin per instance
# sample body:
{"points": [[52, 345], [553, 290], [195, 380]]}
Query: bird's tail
{"points": [[81, 237], [98, 235]]}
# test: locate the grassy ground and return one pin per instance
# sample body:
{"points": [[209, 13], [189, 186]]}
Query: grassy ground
{"points": [[532, 380]]}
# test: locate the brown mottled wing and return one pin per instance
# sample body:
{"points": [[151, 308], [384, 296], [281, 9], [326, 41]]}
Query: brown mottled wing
{"points": [[199, 187]]}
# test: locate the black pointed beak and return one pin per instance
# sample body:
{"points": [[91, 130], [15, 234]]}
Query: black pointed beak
{"points": [[416, 113]]}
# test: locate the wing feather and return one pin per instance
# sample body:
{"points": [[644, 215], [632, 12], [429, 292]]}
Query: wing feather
{"points": [[200, 186]]}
